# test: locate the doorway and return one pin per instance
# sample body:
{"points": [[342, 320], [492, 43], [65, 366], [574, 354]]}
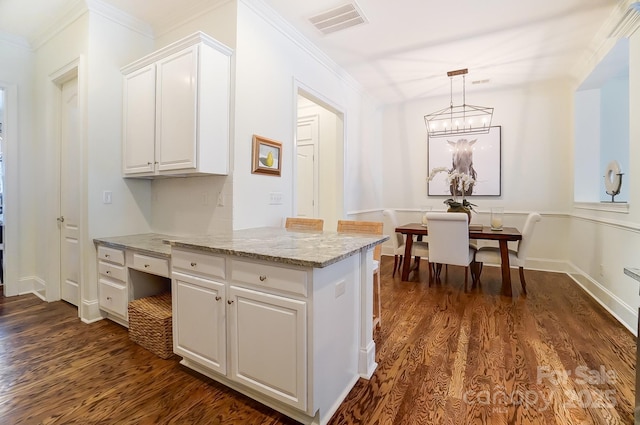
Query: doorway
{"points": [[319, 183]]}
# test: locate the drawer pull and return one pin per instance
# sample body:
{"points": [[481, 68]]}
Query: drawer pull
{"points": [[108, 272], [107, 255], [108, 298], [229, 302], [193, 264], [146, 266], [218, 297], [263, 278]]}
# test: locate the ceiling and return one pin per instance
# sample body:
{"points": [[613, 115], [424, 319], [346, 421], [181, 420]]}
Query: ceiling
{"points": [[405, 49]]}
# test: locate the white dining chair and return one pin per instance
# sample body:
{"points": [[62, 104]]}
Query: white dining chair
{"points": [[518, 257], [449, 242], [419, 249]]}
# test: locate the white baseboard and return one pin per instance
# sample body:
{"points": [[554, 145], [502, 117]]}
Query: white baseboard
{"points": [[624, 313], [32, 285], [90, 311]]}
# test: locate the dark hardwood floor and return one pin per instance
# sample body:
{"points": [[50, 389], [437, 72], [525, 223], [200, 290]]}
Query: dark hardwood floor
{"points": [[445, 357]]}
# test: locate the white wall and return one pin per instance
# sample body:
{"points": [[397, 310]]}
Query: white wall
{"points": [[603, 243], [102, 47], [268, 63], [190, 205], [536, 160], [20, 194], [587, 145]]}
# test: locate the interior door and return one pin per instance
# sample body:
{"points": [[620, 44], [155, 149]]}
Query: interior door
{"points": [[70, 167], [307, 167]]}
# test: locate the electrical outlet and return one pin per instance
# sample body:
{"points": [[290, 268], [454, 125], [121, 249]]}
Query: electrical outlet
{"points": [[107, 197], [275, 198]]}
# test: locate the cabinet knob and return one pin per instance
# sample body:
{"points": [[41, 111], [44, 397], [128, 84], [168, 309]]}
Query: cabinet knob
{"points": [[108, 272], [106, 256], [229, 302], [218, 297], [263, 278], [193, 264], [149, 163], [108, 298], [146, 266]]}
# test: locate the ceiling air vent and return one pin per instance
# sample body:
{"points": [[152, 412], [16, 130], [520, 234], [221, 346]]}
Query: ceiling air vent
{"points": [[339, 18]]}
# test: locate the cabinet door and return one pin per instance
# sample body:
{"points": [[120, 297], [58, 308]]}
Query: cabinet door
{"points": [[176, 111], [269, 344], [199, 321], [139, 121]]}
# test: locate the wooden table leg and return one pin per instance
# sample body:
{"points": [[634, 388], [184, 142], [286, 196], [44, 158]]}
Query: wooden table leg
{"points": [[406, 265], [506, 271]]}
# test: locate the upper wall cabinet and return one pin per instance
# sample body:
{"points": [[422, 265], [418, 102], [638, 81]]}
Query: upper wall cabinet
{"points": [[176, 110]]}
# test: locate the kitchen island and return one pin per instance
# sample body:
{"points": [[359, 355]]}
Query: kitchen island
{"points": [[284, 317]]}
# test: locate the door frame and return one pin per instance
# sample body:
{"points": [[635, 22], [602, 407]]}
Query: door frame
{"points": [[10, 195], [56, 79], [301, 89]]}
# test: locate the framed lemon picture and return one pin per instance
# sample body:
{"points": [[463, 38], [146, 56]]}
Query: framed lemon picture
{"points": [[267, 156]]}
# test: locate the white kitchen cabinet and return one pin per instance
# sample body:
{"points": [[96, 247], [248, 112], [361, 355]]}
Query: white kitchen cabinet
{"points": [[274, 327], [176, 110], [200, 326], [112, 282], [125, 275]]}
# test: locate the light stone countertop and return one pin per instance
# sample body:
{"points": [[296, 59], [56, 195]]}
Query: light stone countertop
{"points": [[301, 248], [146, 243]]}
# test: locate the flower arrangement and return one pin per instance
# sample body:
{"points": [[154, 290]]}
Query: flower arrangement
{"points": [[459, 184]]}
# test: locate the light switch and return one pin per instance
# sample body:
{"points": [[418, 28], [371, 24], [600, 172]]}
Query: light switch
{"points": [[106, 197]]}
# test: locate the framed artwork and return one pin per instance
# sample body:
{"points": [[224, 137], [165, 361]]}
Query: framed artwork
{"points": [[478, 155], [267, 156]]}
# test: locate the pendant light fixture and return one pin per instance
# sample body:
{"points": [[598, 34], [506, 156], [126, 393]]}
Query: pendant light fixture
{"points": [[460, 119]]}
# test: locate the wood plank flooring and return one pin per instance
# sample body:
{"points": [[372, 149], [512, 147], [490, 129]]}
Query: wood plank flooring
{"points": [[445, 357]]}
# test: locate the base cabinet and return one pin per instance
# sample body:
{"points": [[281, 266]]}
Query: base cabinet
{"points": [[200, 331], [284, 335], [274, 327]]}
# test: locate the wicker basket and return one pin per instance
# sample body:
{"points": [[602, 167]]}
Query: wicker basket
{"points": [[150, 324]]}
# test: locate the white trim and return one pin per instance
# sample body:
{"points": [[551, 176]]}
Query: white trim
{"points": [[616, 207], [11, 194], [618, 224], [173, 22], [285, 28], [59, 23], [90, 311], [116, 15], [623, 312]]}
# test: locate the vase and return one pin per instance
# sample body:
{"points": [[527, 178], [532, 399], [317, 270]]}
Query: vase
{"points": [[460, 208]]}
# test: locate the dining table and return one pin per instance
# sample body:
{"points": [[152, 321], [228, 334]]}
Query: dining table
{"points": [[507, 234]]}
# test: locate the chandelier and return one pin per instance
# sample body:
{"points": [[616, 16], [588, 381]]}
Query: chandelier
{"points": [[459, 119]]}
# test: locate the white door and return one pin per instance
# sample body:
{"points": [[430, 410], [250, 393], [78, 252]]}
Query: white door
{"points": [[176, 101], [199, 320], [70, 169], [139, 121], [307, 167], [268, 344]]}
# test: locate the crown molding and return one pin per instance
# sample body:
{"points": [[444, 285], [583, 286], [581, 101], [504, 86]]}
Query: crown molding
{"points": [[78, 9], [297, 38], [173, 22], [116, 15], [58, 23], [623, 21]]}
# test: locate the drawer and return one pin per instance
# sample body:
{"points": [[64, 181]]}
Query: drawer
{"points": [[113, 271], [113, 297], [280, 278], [111, 254], [205, 264], [153, 265]]}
